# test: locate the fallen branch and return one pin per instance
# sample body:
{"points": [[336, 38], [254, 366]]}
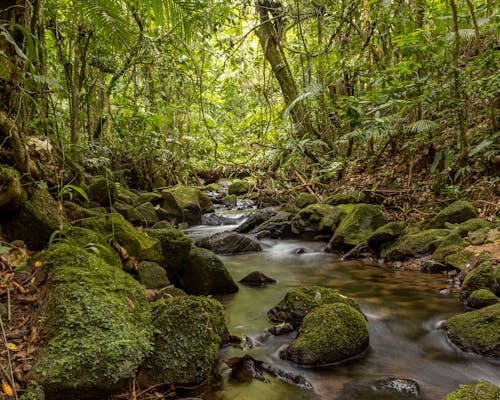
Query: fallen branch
{"points": [[307, 185]]}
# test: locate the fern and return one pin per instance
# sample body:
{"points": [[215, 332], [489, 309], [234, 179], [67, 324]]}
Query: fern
{"points": [[423, 126], [313, 91]]}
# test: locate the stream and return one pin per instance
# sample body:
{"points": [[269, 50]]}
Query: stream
{"points": [[404, 310]]}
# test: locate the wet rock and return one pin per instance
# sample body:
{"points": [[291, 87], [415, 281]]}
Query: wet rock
{"points": [[477, 331], [385, 235], [281, 329], [481, 389], [381, 389], [352, 197], [317, 218], [485, 276], [304, 199], [152, 275], [254, 220], [103, 191], [188, 333], [456, 212], [97, 324], [357, 226], [230, 201], [239, 187], [448, 257], [329, 334], [185, 203], [11, 192], [256, 278], [277, 226], [221, 219], [204, 273], [481, 298], [148, 197], [415, 245], [301, 300], [229, 243]]}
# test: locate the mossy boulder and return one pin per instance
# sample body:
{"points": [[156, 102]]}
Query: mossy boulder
{"points": [[148, 197], [385, 235], [205, 273], [125, 196], [329, 334], [485, 276], [301, 300], [479, 390], [415, 245], [456, 212], [229, 243], [114, 226], [447, 258], [230, 201], [152, 275], [239, 187], [175, 247], [188, 333], [97, 323], [74, 211], [38, 217], [278, 226], [352, 197], [142, 215], [186, 203], [317, 218], [477, 331], [304, 199], [11, 192], [103, 191], [472, 225], [481, 298], [357, 226]]}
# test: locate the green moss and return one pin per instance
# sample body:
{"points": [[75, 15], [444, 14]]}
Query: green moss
{"points": [[317, 218], [477, 331], [457, 212], [115, 226], [33, 391], [148, 197], [214, 187], [415, 245], [329, 334], [481, 298], [479, 390], [97, 321], [144, 214], [453, 239], [472, 225], [186, 203], [188, 333], [152, 275], [385, 234], [446, 257], [484, 276], [11, 189], [304, 199], [301, 300], [353, 197], [103, 191], [239, 187], [125, 196]]}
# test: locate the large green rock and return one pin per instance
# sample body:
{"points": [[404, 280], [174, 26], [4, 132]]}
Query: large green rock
{"points": [[97, 323], [415, 245], [448, 257], [152, 275], [114, 226], [471, 225], [125, 196], [301, 300], [238, 187], [103, 191], [485, 276], [352, 197], [205, 273], [185, 203], [385, 235], [175, 247], [456, 212], [303, 199], [11, 189], [148, 197], [35, 221], [477, 331], [479, 390], [481, 298], [317, 218], [143, 215], [357, 226], [329, 334], [188, 333]]}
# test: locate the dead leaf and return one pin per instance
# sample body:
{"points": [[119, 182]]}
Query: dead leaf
{"points": [[130, 303], [7, 389], [122, 251], [14, 347], [38, 264]]}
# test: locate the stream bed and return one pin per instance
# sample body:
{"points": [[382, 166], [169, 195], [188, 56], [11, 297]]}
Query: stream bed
{"points": [[404, 310]]}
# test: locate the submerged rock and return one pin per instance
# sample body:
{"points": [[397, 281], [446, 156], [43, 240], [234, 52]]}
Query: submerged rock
{"points": [[456, 212], [256, 278], [188, 333], [381, 389], [329, 334], [479, 390], [229, 243], [477, 331]]}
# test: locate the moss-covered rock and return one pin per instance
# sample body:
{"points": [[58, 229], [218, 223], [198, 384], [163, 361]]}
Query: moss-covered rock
{"points": [[175, 247], [329, 334], [205, 273], [453, 239], [301, 300], [163, 225], [35, 221], [152, 275], [477, 331], [485, 276], [304, 199], [143, 215], [352, 197], [357, 226], [317, 218], [481, 298], [448, 257], [230, 200], [97, 322], [239, 187], [114, 226], [186, 203], [278, 226], [148, 197], [229, 243], [479, 390], [471, 225], [74, 211], [11, 192], [125, 196], [103, 191], [456, 212], [188, 333], [385, 235], [415, 245]]}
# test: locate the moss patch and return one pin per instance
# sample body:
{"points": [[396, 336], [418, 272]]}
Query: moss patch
{"points": [[456, 212], [484, 276], [239, 187], [471, 225], [304, 199], [319, 218], [186, 203], [415, 245], [152, 275], [103, 191], [188, 333], [353, 197], [481, 298], [385, 234], [479, 390], [329, 334], [10, 188]]}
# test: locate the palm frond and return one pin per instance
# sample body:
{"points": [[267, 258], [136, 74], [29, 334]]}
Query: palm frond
{"points": [[422, 126], [312, 91]]}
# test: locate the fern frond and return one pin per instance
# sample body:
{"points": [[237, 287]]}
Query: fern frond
{"points": [[312, 91], [423, 126]]}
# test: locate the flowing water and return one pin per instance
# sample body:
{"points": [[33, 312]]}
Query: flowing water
{"points": [[404, 310]]}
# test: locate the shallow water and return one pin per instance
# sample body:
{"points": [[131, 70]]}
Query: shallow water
{"points": [[404, 310]]}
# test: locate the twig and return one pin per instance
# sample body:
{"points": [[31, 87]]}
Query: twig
{"points": [[307, 185]]}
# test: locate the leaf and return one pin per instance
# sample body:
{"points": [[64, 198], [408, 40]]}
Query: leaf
{"points": [[14, 347], [485, 143], [7, 389], [38, 264], [130, 303], [4, 249]]}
